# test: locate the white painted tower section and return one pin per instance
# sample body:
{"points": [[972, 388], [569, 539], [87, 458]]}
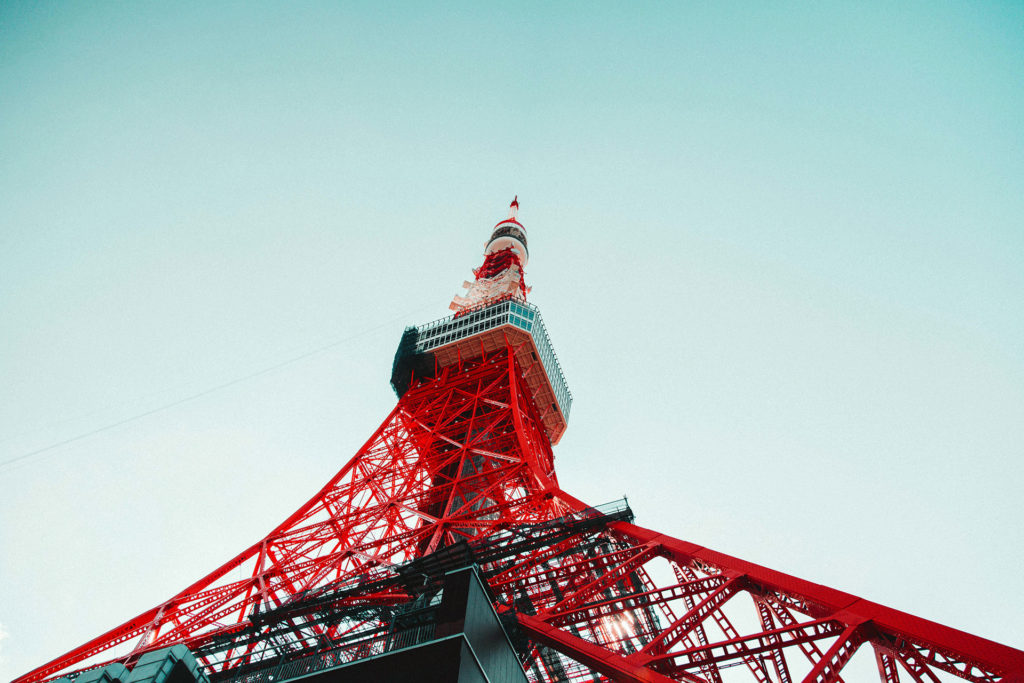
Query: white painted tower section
{"points": [[508, 234]]}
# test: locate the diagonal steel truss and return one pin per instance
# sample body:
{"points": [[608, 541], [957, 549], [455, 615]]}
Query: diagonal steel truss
{"points": [[462, 471]]}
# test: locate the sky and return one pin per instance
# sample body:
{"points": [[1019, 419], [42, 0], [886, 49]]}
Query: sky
{"points": [[779, 249]]}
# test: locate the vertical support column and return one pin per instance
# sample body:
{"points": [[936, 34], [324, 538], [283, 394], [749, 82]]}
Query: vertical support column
{"points": [[887, 670], [828, 667], [778, 657], [683, 576]]}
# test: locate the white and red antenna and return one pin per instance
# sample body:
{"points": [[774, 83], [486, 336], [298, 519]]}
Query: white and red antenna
{"points": [[501, 275]]}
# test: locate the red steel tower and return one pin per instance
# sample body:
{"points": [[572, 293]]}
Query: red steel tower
{"points": [[461, 473]]}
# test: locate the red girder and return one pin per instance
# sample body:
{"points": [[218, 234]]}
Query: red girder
{"points": [[768, 625], [599, 659], [887, 669], [646, 598], [828, 667], [693, 618], [747, 646], [958, 644], [785, 618]]}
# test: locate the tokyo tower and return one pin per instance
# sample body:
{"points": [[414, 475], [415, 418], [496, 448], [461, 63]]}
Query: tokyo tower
{"points": [[445, 549]]}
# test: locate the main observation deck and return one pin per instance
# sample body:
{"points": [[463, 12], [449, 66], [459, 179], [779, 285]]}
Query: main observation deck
{"points": [[486, 329]]}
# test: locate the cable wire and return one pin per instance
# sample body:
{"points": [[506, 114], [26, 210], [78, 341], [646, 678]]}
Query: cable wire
{"points": [[208, 391]]}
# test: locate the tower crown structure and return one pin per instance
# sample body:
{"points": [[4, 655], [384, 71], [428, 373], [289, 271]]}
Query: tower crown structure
{"points": [[446, 544], [493, 314], [501, 275]]}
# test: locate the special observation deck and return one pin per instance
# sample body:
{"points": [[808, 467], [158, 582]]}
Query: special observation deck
{"points": [[484, 330]]}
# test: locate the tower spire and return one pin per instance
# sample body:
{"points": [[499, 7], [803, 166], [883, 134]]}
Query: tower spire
{"points": [[513, 208]]}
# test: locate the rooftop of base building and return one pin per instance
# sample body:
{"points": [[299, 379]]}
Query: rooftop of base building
{"points": [[469, 334]]}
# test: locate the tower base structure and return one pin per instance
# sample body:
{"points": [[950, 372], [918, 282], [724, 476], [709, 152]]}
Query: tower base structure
{"points": [[449, 634]]}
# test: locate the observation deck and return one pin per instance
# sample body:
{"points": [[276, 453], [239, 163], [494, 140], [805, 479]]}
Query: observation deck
{"points": [[486, 329]]}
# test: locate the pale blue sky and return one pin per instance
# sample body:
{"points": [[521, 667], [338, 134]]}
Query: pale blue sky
{"points": [[779, 249]]}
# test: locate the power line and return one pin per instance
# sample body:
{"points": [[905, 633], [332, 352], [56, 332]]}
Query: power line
{"points": [[208, 391]]}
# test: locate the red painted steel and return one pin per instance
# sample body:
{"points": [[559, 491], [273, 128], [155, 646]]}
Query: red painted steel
{"points": [[463, 457]]}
